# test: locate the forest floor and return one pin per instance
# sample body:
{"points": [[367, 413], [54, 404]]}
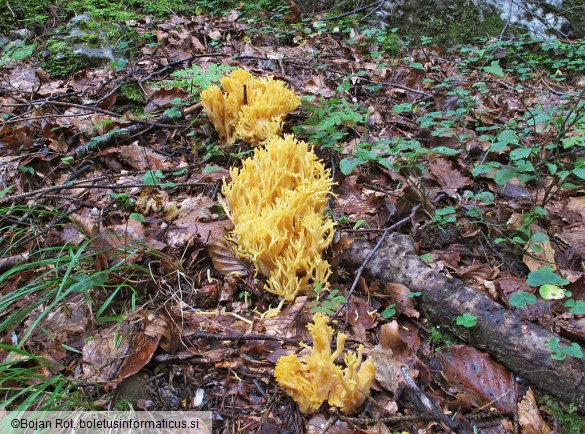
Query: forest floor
{"points": [[116, 289]]}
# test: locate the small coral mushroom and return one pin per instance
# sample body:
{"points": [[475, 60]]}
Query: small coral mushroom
{"points": [[277, 202], [317, 378], [250, 109]]}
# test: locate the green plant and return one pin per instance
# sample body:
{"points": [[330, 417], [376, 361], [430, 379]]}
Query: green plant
{"points": [[366, 153], [24, 384], [330, 121], [570, 421], [384, 40], [124, 200], [326, 302], [389, 312], [246, 296], [523, 236], [395, 154], [61, 61], [440, 339], [521, 299], [194, 79], [445, 215], [466, 320], [561, 352], [152, 178], [15, 51]]}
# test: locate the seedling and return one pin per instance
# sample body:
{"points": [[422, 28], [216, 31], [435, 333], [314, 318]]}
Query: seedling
{"points": [[466, 320], [561, 352], [389, 312], [327, 304]]}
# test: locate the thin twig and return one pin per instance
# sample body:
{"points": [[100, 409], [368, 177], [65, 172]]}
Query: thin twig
{"points": [[85, 183], [428, 404], [328, 425], [360, 270]]}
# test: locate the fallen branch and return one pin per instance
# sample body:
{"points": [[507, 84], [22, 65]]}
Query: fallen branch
{"points": [[422, 402], [519, 345]]}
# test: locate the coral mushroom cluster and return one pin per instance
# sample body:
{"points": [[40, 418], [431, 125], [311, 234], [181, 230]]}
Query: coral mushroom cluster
{"points": [[277, 202], [317, 378], [249, 108]]}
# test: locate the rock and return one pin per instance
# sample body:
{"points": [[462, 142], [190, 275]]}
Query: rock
{"points": [[94, 57], [82, 18], [25, 34], [459, 20], [85, 46]]}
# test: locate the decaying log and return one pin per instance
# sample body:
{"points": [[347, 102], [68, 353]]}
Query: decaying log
{"points": [[519, 345]]}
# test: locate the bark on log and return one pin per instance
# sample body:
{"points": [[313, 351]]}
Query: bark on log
{"points": [[519, 345]]}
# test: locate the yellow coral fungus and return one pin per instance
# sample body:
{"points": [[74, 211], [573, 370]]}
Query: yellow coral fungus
{"points": [[250, 109], [348, 394], [317, 378], [277, 202]]}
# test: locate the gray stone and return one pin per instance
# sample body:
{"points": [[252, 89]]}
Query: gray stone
{"points": [[544, 19], [94, 54], [25, 34], [94, 57], [83, 18]]}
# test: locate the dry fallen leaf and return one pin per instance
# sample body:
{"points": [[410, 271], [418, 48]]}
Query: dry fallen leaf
{"points": [[476, 379], [529, 417]]}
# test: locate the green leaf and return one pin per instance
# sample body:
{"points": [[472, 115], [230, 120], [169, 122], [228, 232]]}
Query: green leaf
{"points": [[579, 170], [137, 216], [485, 197], [174, 113], [494, 69], [152, 176], [520, 153], [467, 320], [502, 176], [443, 150], [445, 211], [551, 292], [521, 299], [401, 108], [579, 308], [574, 351], [6, 190], [348, 164], [427, 257], [389, 312], [26, 169], [474, 212], [545, 275], [508, 137], [539, 237]]}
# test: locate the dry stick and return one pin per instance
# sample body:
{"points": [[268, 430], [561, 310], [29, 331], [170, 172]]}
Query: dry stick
{"points": [[103, 187], [328, 425], [392, 420], [80, 184], [372, 253], [225, 337], [156, 72], [124, 134], [428, 405]]}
